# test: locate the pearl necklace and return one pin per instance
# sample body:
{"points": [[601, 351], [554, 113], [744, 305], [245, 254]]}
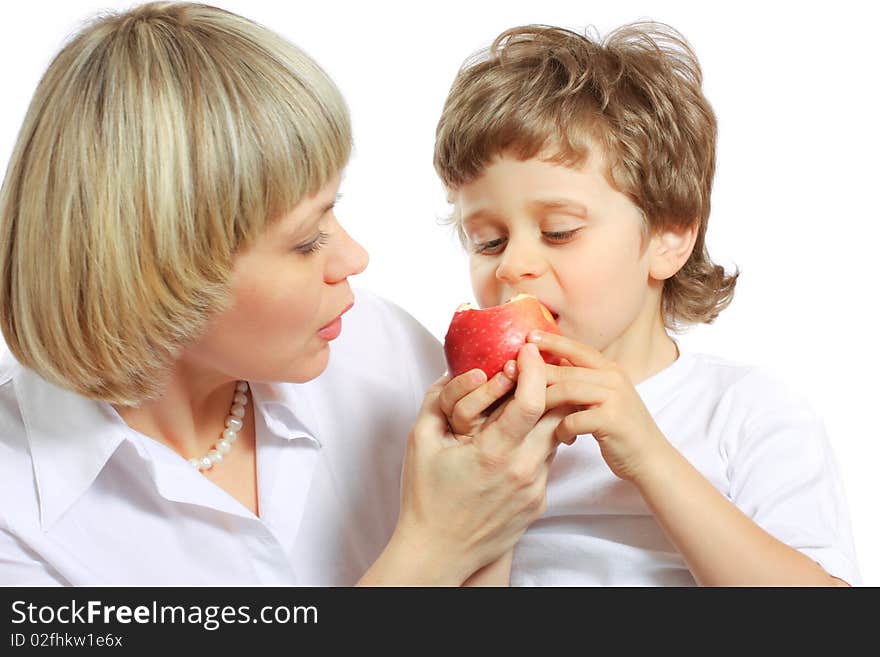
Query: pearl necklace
{"points": [[234, 423]]}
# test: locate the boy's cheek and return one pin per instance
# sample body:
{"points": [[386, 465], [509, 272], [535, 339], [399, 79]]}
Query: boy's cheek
{"points": [[489, 295], [486, 287]]}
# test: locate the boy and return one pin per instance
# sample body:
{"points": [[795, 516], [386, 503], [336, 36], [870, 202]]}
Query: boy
{"points": [[580, 172]]}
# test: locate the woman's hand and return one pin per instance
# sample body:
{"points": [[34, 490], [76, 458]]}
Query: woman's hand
{"points": [[467, 498]]}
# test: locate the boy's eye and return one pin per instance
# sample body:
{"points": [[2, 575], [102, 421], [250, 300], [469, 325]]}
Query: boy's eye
{"points": [[558, 236], [314, 245], [493, 247], [490, 247]]}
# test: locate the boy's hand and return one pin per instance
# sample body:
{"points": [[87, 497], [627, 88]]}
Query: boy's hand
{"points": [[611, 409], [465, 399]]}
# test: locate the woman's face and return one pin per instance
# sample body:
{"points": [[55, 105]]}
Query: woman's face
{"points": [[290, 290]]}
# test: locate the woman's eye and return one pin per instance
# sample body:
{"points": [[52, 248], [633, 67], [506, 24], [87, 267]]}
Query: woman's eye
{"points": [[314, 245], [490, 247], [559, 236]]}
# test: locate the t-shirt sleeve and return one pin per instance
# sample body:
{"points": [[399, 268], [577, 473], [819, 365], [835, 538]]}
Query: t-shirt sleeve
{"points": [[784, 476]]}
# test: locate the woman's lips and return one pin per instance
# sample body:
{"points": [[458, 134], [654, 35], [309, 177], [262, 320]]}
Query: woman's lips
{"points": [[332, 330]]}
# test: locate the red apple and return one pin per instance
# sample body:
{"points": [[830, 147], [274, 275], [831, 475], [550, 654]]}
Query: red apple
{"points": [[488, 338]]}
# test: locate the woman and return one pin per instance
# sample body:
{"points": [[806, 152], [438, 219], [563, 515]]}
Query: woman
{"points": [[171, 410]]}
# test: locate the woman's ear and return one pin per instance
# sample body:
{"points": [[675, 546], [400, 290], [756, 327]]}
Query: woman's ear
{"points": [[670, 249]]}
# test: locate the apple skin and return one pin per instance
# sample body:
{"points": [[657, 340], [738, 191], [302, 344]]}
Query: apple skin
{"points": [[487, 338]]}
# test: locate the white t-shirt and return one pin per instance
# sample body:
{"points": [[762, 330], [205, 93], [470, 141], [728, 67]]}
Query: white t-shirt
{"points": [[86, 500], [755, 441]]}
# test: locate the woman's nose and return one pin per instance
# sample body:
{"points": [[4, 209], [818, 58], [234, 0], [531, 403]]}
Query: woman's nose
{"points": [[349, 258]]}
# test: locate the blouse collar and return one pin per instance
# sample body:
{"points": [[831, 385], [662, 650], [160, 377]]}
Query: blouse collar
{"points": [[71, 438]]}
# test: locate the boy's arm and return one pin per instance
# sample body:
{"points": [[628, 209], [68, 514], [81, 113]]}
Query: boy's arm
{"points": [[720, 544], [496, 573]]}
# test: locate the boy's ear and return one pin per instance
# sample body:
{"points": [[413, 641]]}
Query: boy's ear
{"points": [[670, 249]]}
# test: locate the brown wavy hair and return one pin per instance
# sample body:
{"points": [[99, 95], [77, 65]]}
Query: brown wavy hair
{"points": [[637, 93]]}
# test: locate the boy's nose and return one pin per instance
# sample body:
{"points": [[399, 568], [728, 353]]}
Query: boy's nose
{"points": [[520, 261], [349, 258]]}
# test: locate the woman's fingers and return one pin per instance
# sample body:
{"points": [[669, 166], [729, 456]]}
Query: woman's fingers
{"points": [[527, 406], [431, 419], [540, 444]]}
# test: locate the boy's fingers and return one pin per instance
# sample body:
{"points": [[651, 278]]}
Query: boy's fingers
{"points": [[562, 374], [575, 393], [459, 387], [527, 405], [467, 414], [578, 424], [577, 353]]}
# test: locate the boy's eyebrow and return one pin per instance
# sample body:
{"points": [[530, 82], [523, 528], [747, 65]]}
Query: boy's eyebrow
{"points": [[481, 214], [565, 204], [539, 205]]}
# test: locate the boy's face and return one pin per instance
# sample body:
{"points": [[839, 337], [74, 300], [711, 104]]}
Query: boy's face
{"points": [[564, 235]]}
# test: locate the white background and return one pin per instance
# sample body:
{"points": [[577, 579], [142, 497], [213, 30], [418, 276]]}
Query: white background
{"points": [[794, 86]]}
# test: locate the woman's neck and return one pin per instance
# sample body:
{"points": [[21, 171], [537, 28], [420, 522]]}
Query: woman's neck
{"points": [[189, 417]]}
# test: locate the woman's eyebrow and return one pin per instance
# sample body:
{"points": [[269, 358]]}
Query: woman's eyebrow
{"points": [[295, 228], [324, 209]]}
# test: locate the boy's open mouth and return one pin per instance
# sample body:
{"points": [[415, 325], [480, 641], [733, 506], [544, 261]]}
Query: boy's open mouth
{"points": [[552, 311]]}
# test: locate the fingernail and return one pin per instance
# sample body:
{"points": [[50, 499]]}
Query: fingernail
{"points": [[510, 369], [477, 376], [532, 347], [535, 336]]}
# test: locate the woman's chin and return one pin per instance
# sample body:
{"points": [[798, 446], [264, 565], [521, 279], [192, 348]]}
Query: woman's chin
{"points": [[308, 368]]}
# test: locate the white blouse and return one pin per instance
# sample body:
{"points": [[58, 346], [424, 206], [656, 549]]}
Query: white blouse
{"points": [[87, 501]]}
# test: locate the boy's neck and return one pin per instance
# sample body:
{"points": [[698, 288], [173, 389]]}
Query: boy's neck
{"points": [[645, 348]]}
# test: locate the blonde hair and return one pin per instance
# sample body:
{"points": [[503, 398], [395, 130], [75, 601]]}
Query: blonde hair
{"points": [[637, 93], [158, 143]]}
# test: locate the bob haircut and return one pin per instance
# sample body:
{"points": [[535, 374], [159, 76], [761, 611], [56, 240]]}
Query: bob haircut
{"points": [[637, 93], [158, 143]]}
